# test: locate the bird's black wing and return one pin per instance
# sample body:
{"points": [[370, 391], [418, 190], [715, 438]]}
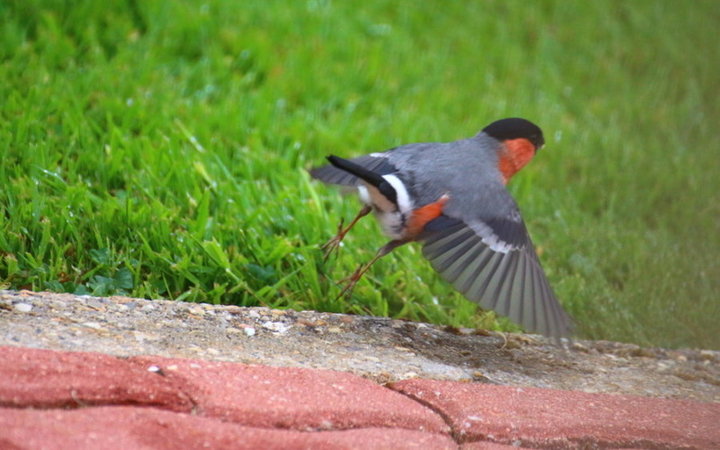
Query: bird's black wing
{"points": [[493, 263]]}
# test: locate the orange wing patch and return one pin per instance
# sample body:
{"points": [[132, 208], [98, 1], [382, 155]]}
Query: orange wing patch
{"points": [[516, 154], [424, 214]]}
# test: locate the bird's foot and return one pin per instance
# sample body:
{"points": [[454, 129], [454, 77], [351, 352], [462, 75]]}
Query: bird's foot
{"points": [[351, 281], [333, 244]]}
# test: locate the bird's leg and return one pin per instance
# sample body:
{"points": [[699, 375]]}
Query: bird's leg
{"points": [[333, 244], [360, 271]]}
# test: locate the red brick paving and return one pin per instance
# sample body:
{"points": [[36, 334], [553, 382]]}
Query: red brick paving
{"points": [[51, 379], [64, 400], [486, 445], [124, 427], [299, 399], [555, 418]]}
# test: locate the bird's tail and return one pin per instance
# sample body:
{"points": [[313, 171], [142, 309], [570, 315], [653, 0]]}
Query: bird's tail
{"points": [[359, 171], [342, 172], [372, 178]]}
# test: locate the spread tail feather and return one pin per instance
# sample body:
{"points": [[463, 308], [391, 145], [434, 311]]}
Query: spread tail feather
{"points": [[359, 171], [334, 175], [371, 178]]}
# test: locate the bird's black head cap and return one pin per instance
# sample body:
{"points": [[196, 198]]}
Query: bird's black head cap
{"points": [[515, 128]]}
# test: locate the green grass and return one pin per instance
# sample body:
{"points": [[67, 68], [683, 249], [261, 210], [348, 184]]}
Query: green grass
{"points": [[158, 149]]}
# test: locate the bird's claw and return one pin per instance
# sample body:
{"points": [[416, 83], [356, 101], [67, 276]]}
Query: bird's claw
{"points": [[350, 282], [333, 244]]}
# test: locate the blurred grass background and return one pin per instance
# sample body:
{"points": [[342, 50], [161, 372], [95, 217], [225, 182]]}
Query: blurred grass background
{"points": [[158, 149]]}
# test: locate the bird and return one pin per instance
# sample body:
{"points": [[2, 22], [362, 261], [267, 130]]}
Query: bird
{"points": [[451, 197]]}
